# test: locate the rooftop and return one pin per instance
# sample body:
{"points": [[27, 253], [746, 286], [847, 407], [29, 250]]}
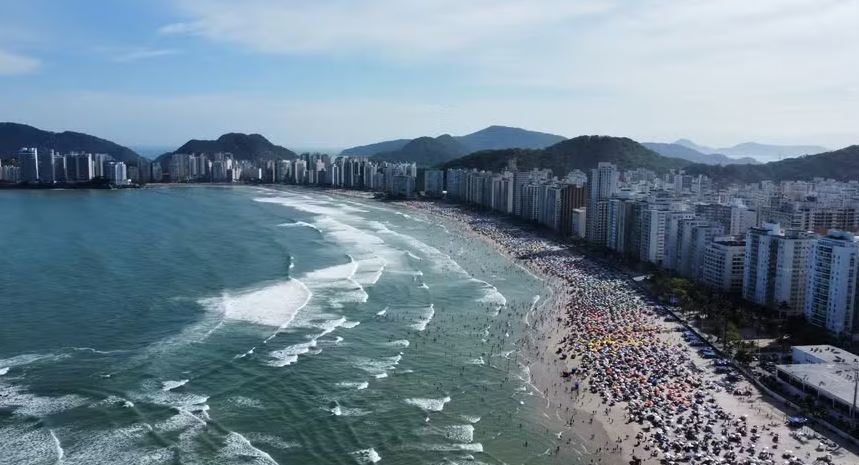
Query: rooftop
{"points": [[828, 353], [836, 380]]}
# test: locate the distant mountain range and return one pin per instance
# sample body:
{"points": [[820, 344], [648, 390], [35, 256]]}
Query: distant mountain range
{"points": [[755, 150], [13, 136], [481, 150], [840, 164], [676, 150], [430, 151], [242, 146], [582, 153]]}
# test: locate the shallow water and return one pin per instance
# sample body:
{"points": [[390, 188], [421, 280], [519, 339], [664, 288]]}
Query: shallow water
{"points": [[248, 325]]}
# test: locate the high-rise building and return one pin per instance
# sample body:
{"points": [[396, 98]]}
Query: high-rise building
{"points": [[433, 183], [776, 262], [46, 168], [830, 300], [722, 264], [602, 185], [573, 196], [28, 160]]}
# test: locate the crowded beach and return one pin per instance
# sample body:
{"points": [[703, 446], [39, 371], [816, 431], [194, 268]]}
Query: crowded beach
{"points": [[609, 359]]}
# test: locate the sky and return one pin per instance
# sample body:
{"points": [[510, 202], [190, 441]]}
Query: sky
{"points": [[337, 73]]}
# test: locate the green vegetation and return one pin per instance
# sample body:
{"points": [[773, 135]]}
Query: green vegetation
{"points": [[842, 165], [13, 136], [583, 153], [242, 146]]}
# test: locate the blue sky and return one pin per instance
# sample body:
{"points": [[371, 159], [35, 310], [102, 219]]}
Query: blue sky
{"points": [[334, 73]]}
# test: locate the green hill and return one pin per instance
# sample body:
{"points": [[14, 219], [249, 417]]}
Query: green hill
{"points": [[842, 165], [426, 151], [13, 136], [242, 146], [583, 153]]}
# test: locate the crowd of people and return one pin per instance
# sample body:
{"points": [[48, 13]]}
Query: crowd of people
{"points": [[618, 346]]}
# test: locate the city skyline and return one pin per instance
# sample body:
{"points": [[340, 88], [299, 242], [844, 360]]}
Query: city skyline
{"points": [[339, 74]]}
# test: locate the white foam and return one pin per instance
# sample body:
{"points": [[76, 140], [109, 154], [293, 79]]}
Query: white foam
{"points": [[24, 445], [429, 405], [299, 224], [337, 410], [424, 320], [399, 343], [378, 367], [413, 256], [365, 456], [31, 405], [273, 305], [338, 278], [271, 440], [473, 447], [58, 448], [491, 295], [239, 448], [351, 324], [358, 385], [289, 355], [247, 402], [26, 359], [171, 385], [460, 433], [470, 418], [476, 361]]}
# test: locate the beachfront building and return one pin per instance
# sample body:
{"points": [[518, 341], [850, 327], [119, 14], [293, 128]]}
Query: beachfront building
{"points": [[28, 160], [579, 223], [10, 173], [653, 223], [403, 186], [826, 373], [673, 238], [602, 185], [433, 183], [621, 218], [776, 267], [722, 264], [830, 300]]}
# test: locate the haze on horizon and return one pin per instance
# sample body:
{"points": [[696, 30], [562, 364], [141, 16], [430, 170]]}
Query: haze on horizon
{"points": [[336, 73]]}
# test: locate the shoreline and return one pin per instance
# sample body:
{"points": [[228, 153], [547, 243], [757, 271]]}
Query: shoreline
{"points": [[614, 422], [541, 338]]}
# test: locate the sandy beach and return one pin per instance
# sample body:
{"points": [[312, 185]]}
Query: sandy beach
{"points": [[620, 381]]}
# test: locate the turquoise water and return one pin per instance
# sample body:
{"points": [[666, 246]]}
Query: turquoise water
{"points": [[246, 325]]}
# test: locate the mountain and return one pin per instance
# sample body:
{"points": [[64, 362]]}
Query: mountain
{"points": [[756, 150], [842, 165], [13, 136], [426, 151], [686, 153], [379, 147], [491, 138], [583, 152], [504, 137], [242, 146]]}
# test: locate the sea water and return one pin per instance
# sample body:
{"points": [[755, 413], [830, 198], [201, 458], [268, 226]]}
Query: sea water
{"points": [[256, 325]]}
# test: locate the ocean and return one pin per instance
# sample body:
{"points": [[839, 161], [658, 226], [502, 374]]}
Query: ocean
{"points": [[224, 325]]}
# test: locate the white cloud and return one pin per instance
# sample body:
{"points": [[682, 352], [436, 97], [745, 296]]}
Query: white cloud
{"points": [[375, 27], [143, 54], [12, 63]]}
